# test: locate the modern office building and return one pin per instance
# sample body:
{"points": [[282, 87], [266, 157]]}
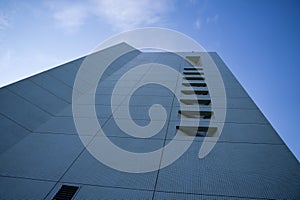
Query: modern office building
{"points": [[42, 156]]}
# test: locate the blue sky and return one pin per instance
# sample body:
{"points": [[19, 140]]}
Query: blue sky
{"points": [[257, 39]]}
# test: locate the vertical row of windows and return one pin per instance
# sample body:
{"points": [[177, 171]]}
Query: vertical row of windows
{"points": [[194, 85]]}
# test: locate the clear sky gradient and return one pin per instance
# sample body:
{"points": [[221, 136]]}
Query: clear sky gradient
{"points": [[257, 39]]}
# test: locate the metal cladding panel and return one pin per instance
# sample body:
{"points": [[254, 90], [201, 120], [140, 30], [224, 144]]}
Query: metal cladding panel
{"points": [[103, 192], [20, 188], [40, 156], [21, 111], [54, 86], [88, 170], [90, 192], [38, 96], [11, 133], [234, 169], [184, 196]]}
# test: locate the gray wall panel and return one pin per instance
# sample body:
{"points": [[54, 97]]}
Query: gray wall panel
{"points": [[232, 169], [39, 96], [41, 156], [18, 188], [53, 85], [10, 133], [21, 111]]}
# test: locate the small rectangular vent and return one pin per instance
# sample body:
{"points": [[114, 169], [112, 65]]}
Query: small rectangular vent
{"points": [[66, 192], [193, 73], [194, 84], [196, 101], [200, 131], [192, 68], [197, 92], [194, 78], [196, 113]]}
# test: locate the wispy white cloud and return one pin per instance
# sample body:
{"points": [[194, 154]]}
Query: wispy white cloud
{"points": [[69, 16], [213, 19], [198, 23], [119, 14], [5, 59], [132, 13], [3, 22]]}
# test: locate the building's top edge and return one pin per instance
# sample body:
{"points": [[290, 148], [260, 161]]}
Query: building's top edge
{"points": [[119, 45]]}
